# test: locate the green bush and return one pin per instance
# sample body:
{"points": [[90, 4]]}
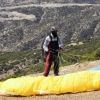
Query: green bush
{"points": [[97, 54]]}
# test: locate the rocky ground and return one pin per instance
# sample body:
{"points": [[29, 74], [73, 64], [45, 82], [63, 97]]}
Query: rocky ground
{"points": [[90, 95]]}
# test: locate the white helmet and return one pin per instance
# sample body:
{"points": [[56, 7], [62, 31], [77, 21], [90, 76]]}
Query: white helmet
{"points": [[54, 28]]}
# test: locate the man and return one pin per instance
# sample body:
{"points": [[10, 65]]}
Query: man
{"points": [[51, 46]]}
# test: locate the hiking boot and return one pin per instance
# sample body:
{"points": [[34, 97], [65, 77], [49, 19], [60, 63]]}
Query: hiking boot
{"points": [[57, 74], [45, 75]]}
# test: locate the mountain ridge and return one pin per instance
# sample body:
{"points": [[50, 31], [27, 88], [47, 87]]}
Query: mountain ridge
{"points": [[18, 32], [14, 2]]}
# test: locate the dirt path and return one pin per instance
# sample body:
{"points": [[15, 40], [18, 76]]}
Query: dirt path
{"points": [[45, 5], [92, 95]]}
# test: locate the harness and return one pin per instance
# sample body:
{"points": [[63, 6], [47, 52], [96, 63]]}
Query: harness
{"points": [[53, 45]]}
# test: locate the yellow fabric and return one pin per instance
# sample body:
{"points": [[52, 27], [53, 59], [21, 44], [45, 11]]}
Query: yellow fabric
{"points": [[73, 82]]}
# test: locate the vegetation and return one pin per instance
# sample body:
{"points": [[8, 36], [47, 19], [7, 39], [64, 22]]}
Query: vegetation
{"points": [[19, 37], [75, 23], [29, 62]]}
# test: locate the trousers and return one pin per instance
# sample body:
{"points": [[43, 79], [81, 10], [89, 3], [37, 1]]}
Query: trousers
{"points": [[50, 58]]}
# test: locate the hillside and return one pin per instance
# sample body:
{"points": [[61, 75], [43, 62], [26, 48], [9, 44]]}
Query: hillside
{"points": [[23, 28], [14, 64], [93, 95], [25, 23], [20, 2]]}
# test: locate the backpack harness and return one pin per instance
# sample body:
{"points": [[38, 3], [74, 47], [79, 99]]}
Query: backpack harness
{"points": [[53, 47]]}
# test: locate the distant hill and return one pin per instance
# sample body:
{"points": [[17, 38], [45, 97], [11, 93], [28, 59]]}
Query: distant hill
{"points": [[23, 28], [14, 2]]}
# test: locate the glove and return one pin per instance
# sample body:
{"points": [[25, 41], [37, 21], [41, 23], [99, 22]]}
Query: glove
{"points": [[61, 48], [46, 53]]}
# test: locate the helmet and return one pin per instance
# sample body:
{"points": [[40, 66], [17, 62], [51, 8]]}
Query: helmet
{"points": [[54, 28]]}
